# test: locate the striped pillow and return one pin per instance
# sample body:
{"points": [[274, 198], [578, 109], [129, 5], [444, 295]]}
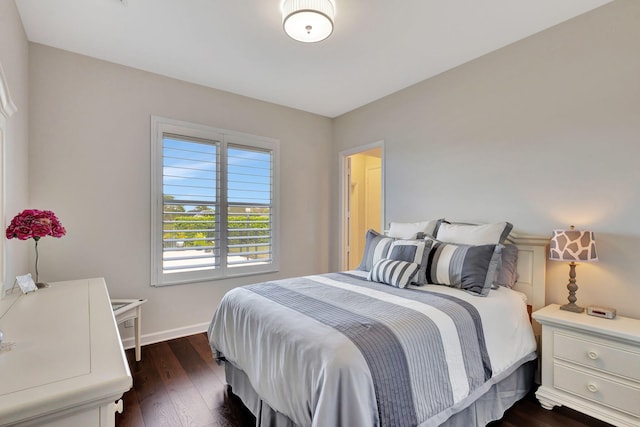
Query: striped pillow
{"points": [[416, 251], [394, 273], [376, 247], [471, 268]]}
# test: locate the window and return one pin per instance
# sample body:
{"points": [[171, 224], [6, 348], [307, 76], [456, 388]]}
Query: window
{"points": [[214, 203]]}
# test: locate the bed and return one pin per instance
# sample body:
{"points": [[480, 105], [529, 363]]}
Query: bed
{"points": [[339, 349]]}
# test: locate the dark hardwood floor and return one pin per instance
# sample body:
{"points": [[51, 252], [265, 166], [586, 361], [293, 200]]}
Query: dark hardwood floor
{"points": [[177, 383]]}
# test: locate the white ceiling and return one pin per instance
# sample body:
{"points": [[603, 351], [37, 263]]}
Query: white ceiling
{"points": [[378, 46]]}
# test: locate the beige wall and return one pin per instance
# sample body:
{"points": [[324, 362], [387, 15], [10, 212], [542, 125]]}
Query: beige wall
{"points": [[90, 163], [543, 133], [14, 58]]}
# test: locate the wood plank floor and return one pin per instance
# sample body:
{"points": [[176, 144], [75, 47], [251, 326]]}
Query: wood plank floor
{"points": [[177, 384]]}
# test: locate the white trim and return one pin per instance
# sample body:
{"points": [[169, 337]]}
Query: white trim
{"points": [[160, 126], [167, 335], [523, 239], [7, 107], [344, 194]]}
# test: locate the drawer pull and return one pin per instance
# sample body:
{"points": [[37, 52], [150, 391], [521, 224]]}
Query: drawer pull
{"points": [[592, 387], [592, 355]]}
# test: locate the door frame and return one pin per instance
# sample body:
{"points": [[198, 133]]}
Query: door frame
{"points": [[344, 195], [7, 108]]}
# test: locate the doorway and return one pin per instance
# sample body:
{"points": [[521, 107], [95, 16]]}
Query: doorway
{"points": [[362, 200]]}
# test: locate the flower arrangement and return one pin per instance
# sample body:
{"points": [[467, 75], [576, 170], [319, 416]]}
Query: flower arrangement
{"points": [[34, 224]]}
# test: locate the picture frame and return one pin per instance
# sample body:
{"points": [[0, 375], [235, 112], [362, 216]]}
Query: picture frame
{"points": [[26, 283]]}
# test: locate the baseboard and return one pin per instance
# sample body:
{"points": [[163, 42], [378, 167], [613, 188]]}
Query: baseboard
{"points": [[166, 335]]}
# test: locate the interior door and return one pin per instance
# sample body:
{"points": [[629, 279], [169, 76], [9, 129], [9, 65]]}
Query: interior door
{"points": [[363, 176]]}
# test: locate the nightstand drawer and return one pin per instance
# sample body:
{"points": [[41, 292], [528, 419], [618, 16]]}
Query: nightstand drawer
{"points": [[610, 393], [617, 361]]}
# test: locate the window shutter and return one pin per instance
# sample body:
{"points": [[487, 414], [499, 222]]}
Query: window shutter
{"points": [[190, 224], [250, 197]]}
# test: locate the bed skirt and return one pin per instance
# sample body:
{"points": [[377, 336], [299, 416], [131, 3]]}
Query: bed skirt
{"points": [[488, 407]]}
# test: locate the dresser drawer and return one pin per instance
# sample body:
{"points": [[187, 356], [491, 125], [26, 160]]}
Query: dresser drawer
{"points": [[595, 388], [613, 360]]}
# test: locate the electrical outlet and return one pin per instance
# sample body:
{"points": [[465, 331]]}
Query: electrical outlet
{"points": [[128, 323]]}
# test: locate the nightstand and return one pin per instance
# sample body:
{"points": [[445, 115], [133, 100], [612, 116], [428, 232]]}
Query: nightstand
{"points": [[590, 364]]}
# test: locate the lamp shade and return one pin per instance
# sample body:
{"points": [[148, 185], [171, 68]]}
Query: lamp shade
{"points": [[573, 245], [308, 20]]}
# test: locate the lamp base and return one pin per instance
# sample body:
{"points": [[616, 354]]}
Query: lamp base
{"points": [[572, 307], [41, 285]]}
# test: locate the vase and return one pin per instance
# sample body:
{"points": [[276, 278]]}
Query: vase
{"points": [[39, 284]]}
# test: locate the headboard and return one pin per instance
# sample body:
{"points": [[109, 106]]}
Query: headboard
{"points": [[532, 257]]}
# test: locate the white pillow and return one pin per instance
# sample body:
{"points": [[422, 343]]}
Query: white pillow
{"points": [[410, 230], [466, 234]]}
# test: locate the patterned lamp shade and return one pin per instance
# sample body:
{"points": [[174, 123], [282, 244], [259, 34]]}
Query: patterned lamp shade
{"points": [[573, 245]]}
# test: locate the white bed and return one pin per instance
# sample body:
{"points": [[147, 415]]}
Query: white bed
{"points": [[326, 373]]}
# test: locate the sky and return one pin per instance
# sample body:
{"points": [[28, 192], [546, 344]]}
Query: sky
{"points": [[189, 173]]}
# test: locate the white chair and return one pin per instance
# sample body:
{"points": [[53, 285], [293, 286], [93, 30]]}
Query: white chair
{"points": [[128, 309]]}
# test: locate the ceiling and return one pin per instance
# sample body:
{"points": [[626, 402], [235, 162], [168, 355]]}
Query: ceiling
{"points": [[378, 46]]}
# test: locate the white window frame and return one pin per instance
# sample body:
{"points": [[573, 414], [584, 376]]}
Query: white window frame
{"points": [[161, 126]]}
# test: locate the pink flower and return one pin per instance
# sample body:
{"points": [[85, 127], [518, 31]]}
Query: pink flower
{"points": [[34, 224]]}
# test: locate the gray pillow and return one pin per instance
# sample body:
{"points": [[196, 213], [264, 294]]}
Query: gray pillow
{"points": [[470, 268], [376, 248], [507, 267], [416, 251]]}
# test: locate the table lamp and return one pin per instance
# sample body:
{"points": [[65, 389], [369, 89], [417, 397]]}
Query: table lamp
{"points": [[575, 246]]}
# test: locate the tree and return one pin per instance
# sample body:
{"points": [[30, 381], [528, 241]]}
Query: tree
{"points": [[171, 207]]}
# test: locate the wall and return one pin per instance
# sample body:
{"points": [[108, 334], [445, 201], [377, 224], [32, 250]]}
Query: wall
{"points": [[90, 163], [543, 133], [14, 57]]}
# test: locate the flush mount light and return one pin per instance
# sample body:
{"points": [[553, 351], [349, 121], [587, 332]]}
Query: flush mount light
{"points": [[308, 20]]}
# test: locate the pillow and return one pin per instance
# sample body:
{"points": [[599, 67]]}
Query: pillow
{"points": [[412, 230], [393, 272], [376, 247], [468, 234], [471, 268], [416, 251], [507, 266]]}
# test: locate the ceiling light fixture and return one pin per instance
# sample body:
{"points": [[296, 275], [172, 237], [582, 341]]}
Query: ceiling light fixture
{"points": [[308, 21]]}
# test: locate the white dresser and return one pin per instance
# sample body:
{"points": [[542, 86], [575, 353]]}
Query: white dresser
{"points": [[67, 366], [591, 364]]}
